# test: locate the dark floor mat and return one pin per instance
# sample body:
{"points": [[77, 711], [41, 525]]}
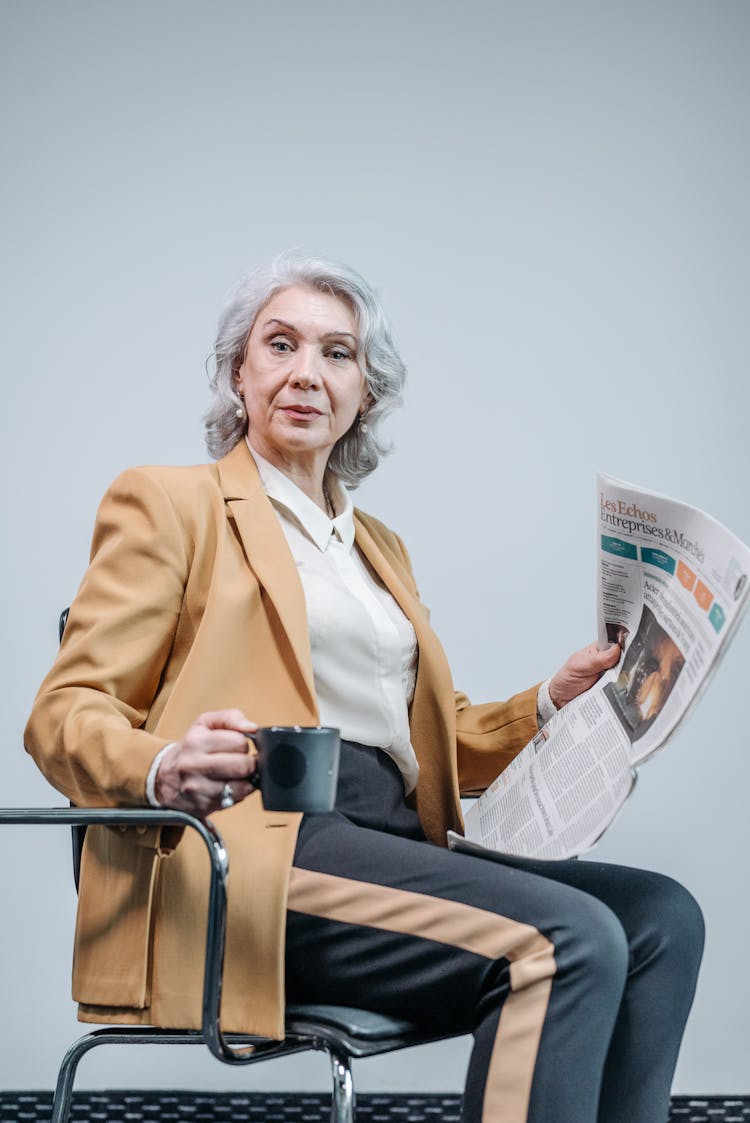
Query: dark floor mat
{"points": [[260, 1107]]}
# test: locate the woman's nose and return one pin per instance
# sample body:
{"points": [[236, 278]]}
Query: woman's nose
{"points": [[305, 373], [306, 381]]}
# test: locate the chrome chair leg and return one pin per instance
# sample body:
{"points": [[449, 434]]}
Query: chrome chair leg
{"points": [[343, 1100], [111, 1035], [66, 1076]]}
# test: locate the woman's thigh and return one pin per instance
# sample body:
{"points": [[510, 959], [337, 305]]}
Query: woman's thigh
{"points": [[656, 912], [401, 926], [571, 975]]}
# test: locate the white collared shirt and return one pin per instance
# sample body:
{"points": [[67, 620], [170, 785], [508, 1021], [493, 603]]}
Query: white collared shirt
{"points": [[364, 650]]}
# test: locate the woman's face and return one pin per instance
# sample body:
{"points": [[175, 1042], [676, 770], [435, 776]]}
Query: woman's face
{"points": [[300, 378]]}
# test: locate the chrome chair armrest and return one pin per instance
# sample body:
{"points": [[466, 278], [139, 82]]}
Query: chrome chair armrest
{"points": [[217, 902]]}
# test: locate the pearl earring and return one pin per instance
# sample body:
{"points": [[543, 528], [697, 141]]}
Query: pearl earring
{"points": [[363, 426], [239, 412]]}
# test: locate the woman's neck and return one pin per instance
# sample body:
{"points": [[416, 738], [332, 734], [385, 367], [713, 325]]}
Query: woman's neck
{"points": [[309, 475]]}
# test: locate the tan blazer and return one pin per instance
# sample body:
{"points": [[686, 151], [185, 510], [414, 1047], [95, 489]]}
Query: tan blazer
{"points": [[192, 602]]}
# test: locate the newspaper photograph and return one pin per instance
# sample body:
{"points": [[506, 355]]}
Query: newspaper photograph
{"points": [[672, 588]]}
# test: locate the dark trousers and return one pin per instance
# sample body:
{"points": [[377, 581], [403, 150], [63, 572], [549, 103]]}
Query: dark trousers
{"points": [[575, 978]]}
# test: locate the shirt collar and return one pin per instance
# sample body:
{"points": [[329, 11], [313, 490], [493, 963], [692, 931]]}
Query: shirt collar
{"points": [[312, 520]]}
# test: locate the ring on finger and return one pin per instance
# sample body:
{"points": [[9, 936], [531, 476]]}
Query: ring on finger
{"points": [[227, 798]]}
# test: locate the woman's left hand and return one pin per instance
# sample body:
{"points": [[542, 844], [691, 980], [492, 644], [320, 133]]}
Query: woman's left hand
{"points": [[580, 671]]}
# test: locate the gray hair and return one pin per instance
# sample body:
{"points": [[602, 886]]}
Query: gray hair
{"points": [[355, 454]]}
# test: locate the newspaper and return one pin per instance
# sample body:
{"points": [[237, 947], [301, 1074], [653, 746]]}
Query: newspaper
{"points": [[672, 587]]}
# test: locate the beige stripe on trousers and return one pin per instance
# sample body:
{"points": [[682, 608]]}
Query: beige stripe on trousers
{"points": [[530, 954]]}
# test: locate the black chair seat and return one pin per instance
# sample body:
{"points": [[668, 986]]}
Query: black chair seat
{"points": [[363, 1033], [359, 1023]]}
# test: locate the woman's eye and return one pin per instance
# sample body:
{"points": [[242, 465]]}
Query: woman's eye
{"points": [[281, 346], [339, 353]]}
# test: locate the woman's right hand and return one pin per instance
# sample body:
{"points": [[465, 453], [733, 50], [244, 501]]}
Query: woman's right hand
{"points": [[215, 751]]}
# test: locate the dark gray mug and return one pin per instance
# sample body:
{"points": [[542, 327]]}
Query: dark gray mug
{"points": [[298, 767]]}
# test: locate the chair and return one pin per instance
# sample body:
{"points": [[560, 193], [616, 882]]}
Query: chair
{"points": [[344, 1033]]}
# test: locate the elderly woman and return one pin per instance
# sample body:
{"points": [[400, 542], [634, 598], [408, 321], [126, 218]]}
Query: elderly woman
{"points": [[250, 592]]}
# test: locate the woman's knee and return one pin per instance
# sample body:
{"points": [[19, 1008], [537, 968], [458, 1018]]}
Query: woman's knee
{"points": [[679, 928], [593, 947]]}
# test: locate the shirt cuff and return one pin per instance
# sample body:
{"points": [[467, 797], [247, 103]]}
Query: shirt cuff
{"points": [[151, 778], [545, 707]]}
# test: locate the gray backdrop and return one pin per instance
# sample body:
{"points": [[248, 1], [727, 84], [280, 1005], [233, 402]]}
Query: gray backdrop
{"points": [[553, 198]]}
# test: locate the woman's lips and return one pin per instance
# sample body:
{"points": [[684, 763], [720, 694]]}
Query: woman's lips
{"points": [[301, 413]]}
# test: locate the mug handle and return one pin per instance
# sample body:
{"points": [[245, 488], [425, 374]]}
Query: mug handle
{"points": [[254, 779]]}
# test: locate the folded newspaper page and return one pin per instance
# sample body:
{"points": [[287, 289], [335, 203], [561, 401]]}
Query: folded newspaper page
{"points": [[673, 584]]}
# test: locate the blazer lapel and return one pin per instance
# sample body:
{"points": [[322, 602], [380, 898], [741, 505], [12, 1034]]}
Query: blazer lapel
{"points": [[407, 602], [268, 554], [432, 717]]}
